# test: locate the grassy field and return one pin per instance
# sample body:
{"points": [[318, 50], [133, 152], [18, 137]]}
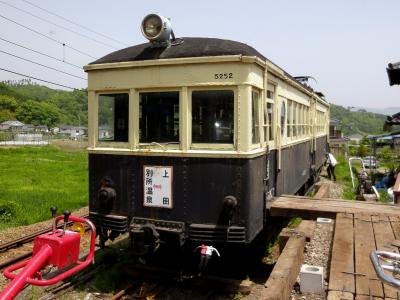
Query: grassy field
{"points": [[34, 178], [343, 176]]}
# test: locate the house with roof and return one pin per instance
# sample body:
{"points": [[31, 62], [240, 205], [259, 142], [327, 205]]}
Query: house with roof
{"points": [[356, 138], [73, 131], [335, 131], [12, 125], [28, 128], [337, 142], [42, 128]]}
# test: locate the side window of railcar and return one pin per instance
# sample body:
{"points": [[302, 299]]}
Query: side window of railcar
{"points": [[288, 118], [255, 117], [283, 116], [159, 117], [268, 130], [113, 117], [212, 116], [294, 131]]}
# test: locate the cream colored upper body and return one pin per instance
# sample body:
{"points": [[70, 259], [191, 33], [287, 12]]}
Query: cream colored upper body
{"points": [[298, 114]]}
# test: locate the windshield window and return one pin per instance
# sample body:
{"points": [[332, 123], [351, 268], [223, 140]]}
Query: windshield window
{"points": [[159, 117], [113, 117], [212, 116]]}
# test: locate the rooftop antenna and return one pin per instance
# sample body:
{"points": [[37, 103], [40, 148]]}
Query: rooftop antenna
{"points": [[304, 79]]}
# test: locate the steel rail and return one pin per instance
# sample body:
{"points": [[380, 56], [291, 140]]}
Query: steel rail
{"points": [[29, 238]]}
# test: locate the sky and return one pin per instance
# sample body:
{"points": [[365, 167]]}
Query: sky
{"points": [[344, 44]]}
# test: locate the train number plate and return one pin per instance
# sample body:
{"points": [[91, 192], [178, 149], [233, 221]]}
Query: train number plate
{"points": [[157, 186]]}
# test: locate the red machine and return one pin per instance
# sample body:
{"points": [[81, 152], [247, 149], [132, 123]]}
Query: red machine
{"points": [[59, 248]]}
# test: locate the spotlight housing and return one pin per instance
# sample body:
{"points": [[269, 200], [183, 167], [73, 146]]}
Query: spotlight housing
{"points": [[157, 29]]}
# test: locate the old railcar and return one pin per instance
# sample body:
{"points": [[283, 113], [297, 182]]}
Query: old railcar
{"points": [[189, 139]]}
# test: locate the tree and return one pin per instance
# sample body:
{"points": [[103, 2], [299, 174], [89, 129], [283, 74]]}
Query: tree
{"points": [[387, 153], [8, 106], [362, 150], [8, 102], [38, 113]]}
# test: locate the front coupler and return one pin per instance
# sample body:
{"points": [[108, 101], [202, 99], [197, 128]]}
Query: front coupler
{"points": [[60, 249]]}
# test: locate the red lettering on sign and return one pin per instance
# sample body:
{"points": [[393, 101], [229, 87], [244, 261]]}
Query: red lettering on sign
{"points": [[157, 186]]}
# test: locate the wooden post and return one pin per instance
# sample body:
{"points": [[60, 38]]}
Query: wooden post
{"points": [[396, 190], [283, 277]]}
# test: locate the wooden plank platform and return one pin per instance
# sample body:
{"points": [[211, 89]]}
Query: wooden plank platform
{"points": [[351, 271], [360, 228], [341, 275], [311, 208]]}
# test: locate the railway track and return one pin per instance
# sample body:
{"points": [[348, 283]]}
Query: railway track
{"points": [[207, 287], [29, 238], [21, 241], [146, 281]]}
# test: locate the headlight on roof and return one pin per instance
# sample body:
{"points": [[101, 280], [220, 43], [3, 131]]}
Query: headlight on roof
{"points": [[156, 28]]}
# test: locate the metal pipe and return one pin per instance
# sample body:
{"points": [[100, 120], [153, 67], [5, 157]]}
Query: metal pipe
{"points": [[66, 217], [34, 265], [379, 268], [53, 216], [351, 170]]}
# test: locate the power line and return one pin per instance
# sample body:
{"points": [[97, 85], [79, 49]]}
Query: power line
{"points": [[38, 52], [48, 37], [39, 64], [9, 71], [76, 24], [60, 26]]}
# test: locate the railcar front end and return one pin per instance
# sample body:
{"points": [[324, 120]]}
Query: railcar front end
{"points": [[189, 141]]}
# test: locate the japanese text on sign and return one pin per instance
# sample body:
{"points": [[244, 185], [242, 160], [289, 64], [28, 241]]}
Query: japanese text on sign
{"points": [[157, 186]]}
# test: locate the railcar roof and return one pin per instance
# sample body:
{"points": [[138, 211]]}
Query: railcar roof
{"points": [[191, 47]]}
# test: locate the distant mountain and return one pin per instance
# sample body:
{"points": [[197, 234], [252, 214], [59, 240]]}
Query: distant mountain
{"points": [[35, 104], [388, 111], [358, 120]]}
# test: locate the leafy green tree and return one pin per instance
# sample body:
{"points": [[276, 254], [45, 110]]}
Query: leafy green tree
{"points": [[6, 115], [362, 150], [386, 153], [8, 106], [8, 102], [38, 113]]}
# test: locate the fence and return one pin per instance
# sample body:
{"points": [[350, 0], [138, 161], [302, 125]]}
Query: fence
{"points": [[22, 139]]}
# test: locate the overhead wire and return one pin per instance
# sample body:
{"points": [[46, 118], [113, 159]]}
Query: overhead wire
{"points": [[41, 53], [42, 65], [57, 25], [39, 79], [48, 37], [75, 23]]}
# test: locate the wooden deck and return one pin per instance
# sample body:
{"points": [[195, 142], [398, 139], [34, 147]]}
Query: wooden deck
{"points": [[311, 208], [352, 275], [360, 228]]}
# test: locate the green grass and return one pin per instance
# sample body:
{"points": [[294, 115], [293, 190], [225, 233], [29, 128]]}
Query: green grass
{"points": [[294, 222], [343, 176], [32, 179]]}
